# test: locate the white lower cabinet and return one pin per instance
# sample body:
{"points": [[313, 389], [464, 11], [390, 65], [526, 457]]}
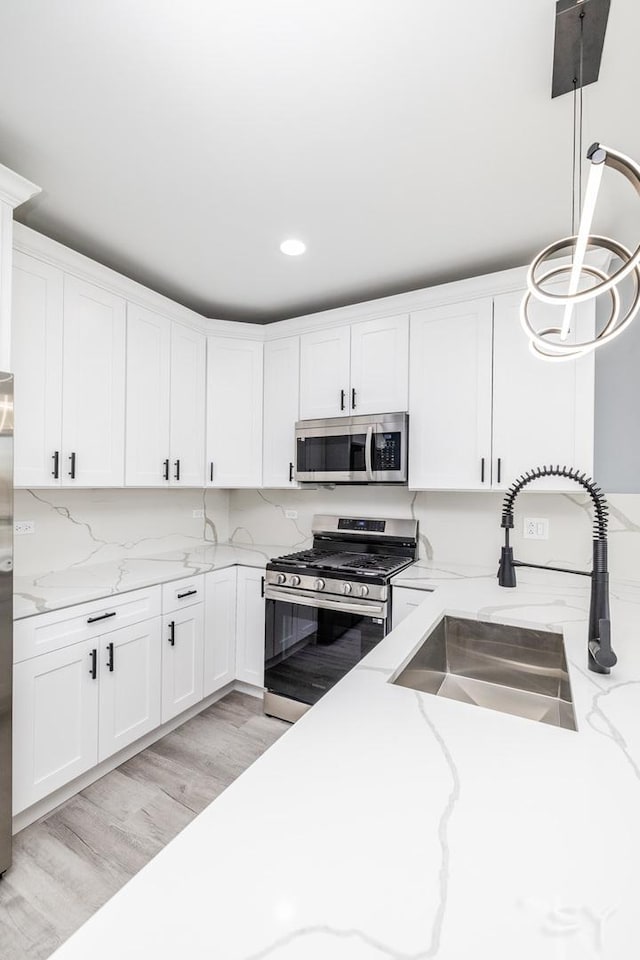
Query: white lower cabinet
{"points": [[79, 699], [130, 669], [182, 660], [219, 629], [405, 601], [250, 626], [55, 721]]}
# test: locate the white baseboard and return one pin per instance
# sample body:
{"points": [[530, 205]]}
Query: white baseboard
{"points": [[47, 804]]}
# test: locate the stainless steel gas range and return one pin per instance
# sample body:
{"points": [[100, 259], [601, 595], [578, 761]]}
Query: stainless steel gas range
{"points": [[327, 607]]}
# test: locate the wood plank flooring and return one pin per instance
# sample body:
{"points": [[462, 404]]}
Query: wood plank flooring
{"points": [[70, 862]]}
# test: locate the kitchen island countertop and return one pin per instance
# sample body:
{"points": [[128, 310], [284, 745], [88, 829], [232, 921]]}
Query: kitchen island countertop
{"points": [[394, 824]]}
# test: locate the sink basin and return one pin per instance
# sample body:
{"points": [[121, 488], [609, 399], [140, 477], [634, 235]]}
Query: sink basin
{"points": [[509, 669]]}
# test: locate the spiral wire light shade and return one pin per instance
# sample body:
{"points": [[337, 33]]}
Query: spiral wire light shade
{"points": [[551, 343]]}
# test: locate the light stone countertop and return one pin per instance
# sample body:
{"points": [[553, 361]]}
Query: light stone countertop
{"points": [[394, 825], [83, 582]]}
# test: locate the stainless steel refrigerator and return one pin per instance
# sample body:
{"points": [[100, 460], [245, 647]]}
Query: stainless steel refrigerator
{"points": [[6, 612]]}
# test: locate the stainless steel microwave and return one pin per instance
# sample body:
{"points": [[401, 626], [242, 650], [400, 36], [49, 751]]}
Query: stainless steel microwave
{"points": [[370, 449]]}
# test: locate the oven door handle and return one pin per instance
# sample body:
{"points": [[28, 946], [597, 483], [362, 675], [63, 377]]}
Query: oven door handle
{"points": [[368, 460], [326, 603]]}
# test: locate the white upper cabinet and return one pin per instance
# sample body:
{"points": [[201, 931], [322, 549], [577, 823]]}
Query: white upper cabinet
{"points": [[188, 402], [379, 365], [281, 404], [543, 412], [361, 369], [148, 398], [93, 386], [37, 364], [325, 381], [450, 398], [234, 413]]}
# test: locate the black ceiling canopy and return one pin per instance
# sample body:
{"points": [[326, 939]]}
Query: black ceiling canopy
{"points": [[576, 20]]}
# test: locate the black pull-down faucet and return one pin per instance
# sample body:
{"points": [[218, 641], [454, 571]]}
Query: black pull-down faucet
{"points": [[600, 655]]}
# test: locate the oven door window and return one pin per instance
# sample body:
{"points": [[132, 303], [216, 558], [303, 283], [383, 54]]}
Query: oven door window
{"points": [[308, 649], [340, 454]]}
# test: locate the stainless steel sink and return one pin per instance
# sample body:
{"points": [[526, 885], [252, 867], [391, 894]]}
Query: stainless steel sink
{"points": [[509, 669]]}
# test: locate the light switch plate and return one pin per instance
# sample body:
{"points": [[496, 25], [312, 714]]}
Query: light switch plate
{"points": [[198, 514], [291, 514]]}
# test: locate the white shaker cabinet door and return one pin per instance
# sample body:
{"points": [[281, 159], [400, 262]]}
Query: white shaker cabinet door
{"points": [[182, 660], [188, 365], [325, 373], [219, 629], [93, 396], [234, 412], [380, 365], [148, 380], [36, 352], [55, 721], [450, 397], [130, 685], [543, 412], [250, 626], [281, 406]]}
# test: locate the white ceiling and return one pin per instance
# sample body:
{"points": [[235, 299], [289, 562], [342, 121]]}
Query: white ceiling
{"points": [[406, 141]]}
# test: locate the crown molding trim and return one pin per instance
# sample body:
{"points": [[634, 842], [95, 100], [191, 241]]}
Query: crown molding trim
{"points": [[15, 189]]}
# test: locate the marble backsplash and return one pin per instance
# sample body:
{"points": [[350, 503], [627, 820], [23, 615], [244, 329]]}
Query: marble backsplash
{"points": [[454, 527], [76, 527]]}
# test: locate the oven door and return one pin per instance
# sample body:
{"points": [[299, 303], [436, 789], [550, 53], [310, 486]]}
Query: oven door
{"points": [[312, 642], [352, 450]]}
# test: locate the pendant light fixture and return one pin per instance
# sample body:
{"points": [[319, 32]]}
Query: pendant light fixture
{"points": [[574, 18]]}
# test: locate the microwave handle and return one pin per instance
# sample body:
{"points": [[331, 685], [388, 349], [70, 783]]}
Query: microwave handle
{"points": [[368, 453]]}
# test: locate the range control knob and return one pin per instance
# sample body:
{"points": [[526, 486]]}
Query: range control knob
{"points": [[281, 578], [319, 584], [346, 588], [363, 590], [295, 581]]}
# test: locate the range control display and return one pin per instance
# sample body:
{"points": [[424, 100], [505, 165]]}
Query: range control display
{"points": [[364, 525]]}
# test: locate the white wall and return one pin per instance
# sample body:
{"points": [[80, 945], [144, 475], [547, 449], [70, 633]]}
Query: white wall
{"points": [[453, 526], [93, 526]]}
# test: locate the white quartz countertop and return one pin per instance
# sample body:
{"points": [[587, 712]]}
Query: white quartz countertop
{"points": [[394, 824], [83, 582]]}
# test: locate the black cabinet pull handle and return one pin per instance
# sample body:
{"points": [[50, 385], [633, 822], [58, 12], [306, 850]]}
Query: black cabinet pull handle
{"points": [[177, 466], [72, 469], [342, 395], [187, 593], [353, 398], [482, 470], [211, 472], [55, 473], [110, 661], [262, 586], [290, 473], [172, 633], [93, 669], [165, 470], [499, 468], [103, 616]]}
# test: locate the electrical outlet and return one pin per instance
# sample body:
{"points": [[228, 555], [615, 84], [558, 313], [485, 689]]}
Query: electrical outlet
{"points": [[536, 528], [291, 514], [22, 527], [198, 514]]}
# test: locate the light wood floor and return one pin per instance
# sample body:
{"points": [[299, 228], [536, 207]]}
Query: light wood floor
{"points": [[69, 863]]}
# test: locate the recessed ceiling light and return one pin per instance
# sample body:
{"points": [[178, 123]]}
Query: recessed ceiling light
{"points": [[293, 247]]}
